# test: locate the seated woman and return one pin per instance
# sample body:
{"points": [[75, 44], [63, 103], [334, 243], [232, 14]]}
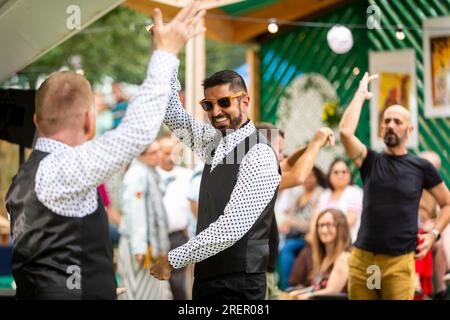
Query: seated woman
{"points": [[330, 251]]}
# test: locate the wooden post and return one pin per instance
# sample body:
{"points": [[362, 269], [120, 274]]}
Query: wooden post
{"points": [[195, 73], [253, 62]]}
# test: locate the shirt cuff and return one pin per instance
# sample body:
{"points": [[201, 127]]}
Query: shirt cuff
{"points": [[178, 258]]}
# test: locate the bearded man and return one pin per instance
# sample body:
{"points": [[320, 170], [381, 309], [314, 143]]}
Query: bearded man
{"points": [[381, 265], [237, 194]]}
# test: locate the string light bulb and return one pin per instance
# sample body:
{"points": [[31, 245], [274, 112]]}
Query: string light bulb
{"points": [[400, 34], [272, 27]]}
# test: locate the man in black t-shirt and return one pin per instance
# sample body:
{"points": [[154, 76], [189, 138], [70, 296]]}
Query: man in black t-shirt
{"points": [[382, 260]]}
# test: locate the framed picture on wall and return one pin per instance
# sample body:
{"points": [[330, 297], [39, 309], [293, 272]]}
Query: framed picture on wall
{"points": [[396, 85], [436, 66]]}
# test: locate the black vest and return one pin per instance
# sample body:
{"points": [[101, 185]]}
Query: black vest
{"points": [[273, 247], [252, 253], [51, 252]]}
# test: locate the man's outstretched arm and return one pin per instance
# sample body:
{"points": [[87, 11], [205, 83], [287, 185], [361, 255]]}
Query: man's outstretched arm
{"points": [[296, 174], [354, 148], [65, 177]]}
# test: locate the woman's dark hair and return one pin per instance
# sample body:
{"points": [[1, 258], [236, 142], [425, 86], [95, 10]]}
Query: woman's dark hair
{"points": [[337, 160], [320, 176]]}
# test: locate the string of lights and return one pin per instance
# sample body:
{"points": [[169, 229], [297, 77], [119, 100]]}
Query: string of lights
{"points": [[274, 24]]}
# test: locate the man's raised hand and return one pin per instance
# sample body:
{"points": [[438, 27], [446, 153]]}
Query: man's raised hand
{"points": [[324, 137], [364, 85], [172, 36]]}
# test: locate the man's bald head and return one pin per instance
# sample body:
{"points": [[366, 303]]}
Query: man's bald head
{"points": [[61, 102], [398, 110], [396, 127]]}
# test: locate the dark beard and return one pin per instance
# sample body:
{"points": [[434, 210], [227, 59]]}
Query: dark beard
{"points": [[391, 139], [234, 123]]}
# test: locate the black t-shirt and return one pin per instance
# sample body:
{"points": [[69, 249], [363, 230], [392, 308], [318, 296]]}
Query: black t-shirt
{"points": [[392, 187]]}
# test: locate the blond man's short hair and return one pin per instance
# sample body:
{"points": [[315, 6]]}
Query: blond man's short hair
{"points": [[61, 101]]}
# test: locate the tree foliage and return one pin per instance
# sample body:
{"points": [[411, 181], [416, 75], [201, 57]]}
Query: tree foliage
{"points": [[110, 46]]}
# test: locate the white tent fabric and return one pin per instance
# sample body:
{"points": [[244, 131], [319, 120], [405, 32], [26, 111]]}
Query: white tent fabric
{"points": [[30, 28]]}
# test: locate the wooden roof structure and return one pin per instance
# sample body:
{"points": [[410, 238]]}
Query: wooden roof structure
{"points": [[240, 21], [232, 21]]}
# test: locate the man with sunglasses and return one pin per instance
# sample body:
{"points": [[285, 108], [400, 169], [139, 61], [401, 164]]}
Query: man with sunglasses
{"points": [[237, 194], [381, 265]]}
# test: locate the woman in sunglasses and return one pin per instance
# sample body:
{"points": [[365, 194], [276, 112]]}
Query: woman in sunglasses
{"points": [[342, 195]]}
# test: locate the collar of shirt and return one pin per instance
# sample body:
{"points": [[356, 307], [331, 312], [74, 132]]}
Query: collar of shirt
{"points": [[230, 141], [50, 145]]}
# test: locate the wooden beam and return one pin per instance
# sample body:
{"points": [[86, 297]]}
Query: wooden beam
{"points": [[171, 7], [205, 4], [219, 29], [253, 61], [235, 31], [283, 10], [216, 29], [195, 73], [148, 6]]}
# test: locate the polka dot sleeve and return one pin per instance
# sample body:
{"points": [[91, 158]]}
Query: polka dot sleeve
{"points": [[195, 134]]}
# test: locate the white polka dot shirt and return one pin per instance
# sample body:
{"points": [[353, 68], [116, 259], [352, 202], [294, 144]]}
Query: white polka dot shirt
{"points": [[67, 178], [258, 178]]}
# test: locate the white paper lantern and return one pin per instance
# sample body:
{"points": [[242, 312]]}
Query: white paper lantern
{"points": [[340, 39]]}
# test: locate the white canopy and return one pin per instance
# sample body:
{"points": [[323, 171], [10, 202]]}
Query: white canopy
{"points": [[30, 28]]}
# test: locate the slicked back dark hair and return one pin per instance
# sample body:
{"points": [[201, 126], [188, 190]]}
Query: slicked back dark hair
{"points": [[224, 77]]}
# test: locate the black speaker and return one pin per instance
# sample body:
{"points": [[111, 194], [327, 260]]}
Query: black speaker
{"points": [[16, 117]]}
